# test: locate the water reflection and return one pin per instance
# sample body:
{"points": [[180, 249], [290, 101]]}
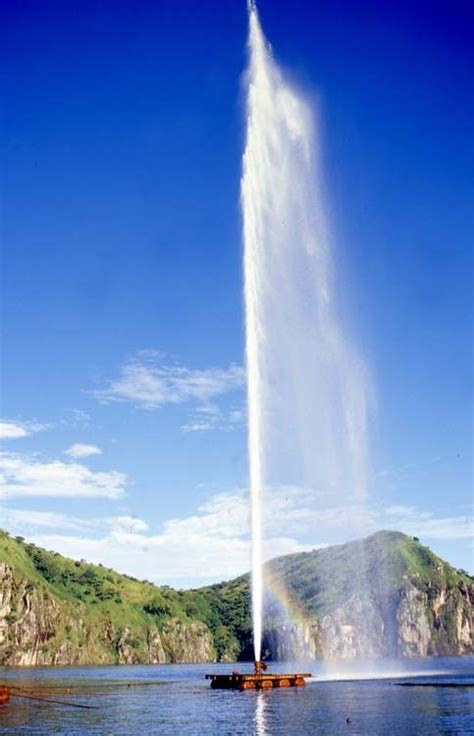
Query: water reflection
{"points": [[260, 720], [178, 701]]}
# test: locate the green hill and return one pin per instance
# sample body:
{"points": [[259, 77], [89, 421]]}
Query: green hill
{"points": [[386, 594]]}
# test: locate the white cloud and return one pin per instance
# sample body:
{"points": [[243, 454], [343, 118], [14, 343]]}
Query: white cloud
{"points": [[400, 510], [78, 450], [166, 558], [27, 520], [128, 524], [300, 511], [223, 515], [149, 382], [14, 429], [214, 542], [198, 425], [22, 475], [24, 520], [77, 418], [208, 418], [426, 525], [211, 544]]}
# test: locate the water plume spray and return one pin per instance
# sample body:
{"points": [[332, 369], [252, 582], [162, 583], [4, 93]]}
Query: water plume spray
{"points": [[305, 383]]}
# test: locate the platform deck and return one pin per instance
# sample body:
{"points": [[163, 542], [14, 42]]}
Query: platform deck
{"points": [[237, 681]]}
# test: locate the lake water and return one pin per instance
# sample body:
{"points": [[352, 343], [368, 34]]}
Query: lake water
{"points": [[177, 700]]}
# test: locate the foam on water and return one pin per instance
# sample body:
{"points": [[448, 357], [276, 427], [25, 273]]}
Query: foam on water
{"points": [[396, 674]]}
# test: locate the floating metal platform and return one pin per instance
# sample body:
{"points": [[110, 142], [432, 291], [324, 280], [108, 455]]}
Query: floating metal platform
{"points": [[260, 680]]}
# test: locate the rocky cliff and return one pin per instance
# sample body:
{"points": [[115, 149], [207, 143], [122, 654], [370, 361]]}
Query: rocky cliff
{"points": [[418, 626], [58, 611], [37, 628], [387, 595]]}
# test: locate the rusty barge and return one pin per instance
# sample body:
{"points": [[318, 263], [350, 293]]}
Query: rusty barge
{"points": [[259, 680]]}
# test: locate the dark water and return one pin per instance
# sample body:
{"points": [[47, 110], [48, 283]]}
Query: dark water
{"points": [[176, 700]]}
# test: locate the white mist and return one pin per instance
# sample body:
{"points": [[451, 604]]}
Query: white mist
{"points": [[306, 385]]}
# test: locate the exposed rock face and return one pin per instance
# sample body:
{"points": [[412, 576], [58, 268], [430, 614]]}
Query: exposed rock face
{"points": [[187, 642], [438, 622], [37, 629], [412, 624], [384, 596], [157, 654], [29, 619]]}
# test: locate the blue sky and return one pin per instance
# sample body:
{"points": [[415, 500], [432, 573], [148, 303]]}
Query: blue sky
{"points": [[122, 285]]}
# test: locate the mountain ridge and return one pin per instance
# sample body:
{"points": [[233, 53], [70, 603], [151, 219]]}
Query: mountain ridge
{"points": [[385, 595]]}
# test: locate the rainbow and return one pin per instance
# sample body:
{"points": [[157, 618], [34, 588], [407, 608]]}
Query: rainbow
{"points": [[290, 610], [288, 618]]}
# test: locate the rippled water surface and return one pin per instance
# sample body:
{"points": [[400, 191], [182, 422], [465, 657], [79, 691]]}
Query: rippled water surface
{"points": [[428, 696]]}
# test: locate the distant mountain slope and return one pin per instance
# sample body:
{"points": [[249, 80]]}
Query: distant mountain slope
{"points": [[54, 610], [386, 594]]}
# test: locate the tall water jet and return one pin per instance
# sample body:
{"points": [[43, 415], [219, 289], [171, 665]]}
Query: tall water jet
{"points": [[307, 391]]}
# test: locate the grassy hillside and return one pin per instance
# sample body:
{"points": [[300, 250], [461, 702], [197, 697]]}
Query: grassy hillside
{"points": [[99, 593], [379, 567], [383, 562], [93, 587]]}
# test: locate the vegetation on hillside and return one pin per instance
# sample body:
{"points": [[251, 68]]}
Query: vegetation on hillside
{"points": [[382, 564], [101, 593]]}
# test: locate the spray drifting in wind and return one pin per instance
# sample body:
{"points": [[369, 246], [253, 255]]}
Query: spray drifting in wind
{"points": [[306, 386]]}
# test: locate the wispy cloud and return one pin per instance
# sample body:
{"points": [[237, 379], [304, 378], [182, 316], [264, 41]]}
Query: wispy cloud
{"points": [[25, 520], [127, 524], [76, 418], [13, 429], [367, 519], [406, 469], [210, 544], [214, 542], [302, 511], [23, 475], [425, 524], [166, 558], [150, 381], [209, 418], [79, 450]]}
